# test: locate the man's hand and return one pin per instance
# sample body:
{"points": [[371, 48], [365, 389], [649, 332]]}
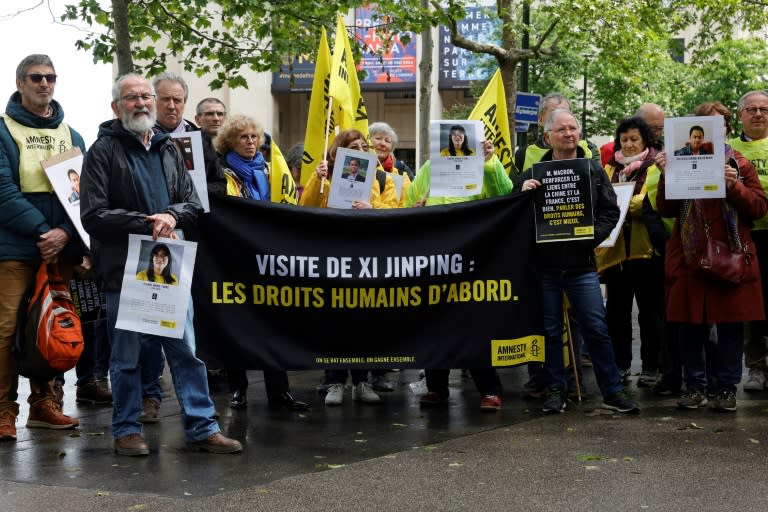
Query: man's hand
{"points": [[163, 225], [530, 184], [51, 244]]}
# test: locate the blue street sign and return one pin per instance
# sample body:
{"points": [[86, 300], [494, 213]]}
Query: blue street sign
{"points": [[521, 127], [527, 107]]}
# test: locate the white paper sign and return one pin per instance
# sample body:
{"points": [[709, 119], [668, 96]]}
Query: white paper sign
{"points": [[353, 175], [624, 193], [456, 158], [695, 148], [399, 179], [63, 171], [157, 285], [191, 146]]}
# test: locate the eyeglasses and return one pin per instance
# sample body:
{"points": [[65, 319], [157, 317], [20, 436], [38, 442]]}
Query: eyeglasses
{"points": [[656, 127], [132, 98], [754, 110], [38, 77], [215, 114], [249, 138]]}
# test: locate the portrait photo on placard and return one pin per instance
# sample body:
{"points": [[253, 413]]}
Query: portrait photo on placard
{"points": [[694, 138], [354, 169], [457, 139], [159, 262]]}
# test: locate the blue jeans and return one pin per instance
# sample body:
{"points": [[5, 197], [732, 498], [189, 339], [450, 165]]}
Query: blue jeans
{"points": [[727, 352], [586, 301], [188, 372]]}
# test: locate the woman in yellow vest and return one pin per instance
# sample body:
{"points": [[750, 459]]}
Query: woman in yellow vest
{"points": [[632, 269]]}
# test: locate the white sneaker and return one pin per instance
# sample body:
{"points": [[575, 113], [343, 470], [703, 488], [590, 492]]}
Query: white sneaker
{"points": [[363, 392], [335, 394], [755, 380]]}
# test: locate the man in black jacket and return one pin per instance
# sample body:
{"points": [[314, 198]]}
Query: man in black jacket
{"points": [[568, 267], [134, 182]]}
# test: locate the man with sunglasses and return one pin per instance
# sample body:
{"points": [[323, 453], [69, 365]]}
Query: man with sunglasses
{"points": [[33, 226], [753, 144]]}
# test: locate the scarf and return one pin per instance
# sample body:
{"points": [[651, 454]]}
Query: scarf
{"points": [[631, 164], [251, 173], [692, 223], [388, 163]]}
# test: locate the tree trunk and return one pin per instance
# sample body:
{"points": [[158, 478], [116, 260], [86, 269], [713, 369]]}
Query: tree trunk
{"points": [[425, 92], [122, 37]]}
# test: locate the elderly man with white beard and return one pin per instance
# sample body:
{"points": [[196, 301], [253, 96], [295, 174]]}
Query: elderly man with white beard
{"points": [[134, 181]]}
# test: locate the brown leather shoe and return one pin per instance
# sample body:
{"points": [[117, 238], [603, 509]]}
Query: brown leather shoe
{"points": [[150, 411], [218, 443], [92, 393], [47, 414], [7, 426], [132, 445]]}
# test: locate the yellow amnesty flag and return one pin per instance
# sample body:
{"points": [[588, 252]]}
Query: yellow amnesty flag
{"points": [[345, 87], [282, 188], [314, 136], [491, 109]]}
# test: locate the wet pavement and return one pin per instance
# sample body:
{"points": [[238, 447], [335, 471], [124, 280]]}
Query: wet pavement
{"points": [[398, 456]]}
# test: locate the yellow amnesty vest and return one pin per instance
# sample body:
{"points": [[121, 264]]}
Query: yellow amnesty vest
{"points": [[36, 145], [756, 151], [534, 153], [640, 246]]}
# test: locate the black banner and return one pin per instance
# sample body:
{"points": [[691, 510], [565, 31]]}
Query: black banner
{"points": [[280, 286]]}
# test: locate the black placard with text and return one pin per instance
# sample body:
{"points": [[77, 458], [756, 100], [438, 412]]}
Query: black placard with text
{"points": [[564, 201]]}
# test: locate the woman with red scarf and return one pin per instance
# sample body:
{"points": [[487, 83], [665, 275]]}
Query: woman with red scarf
{"points": [[384, 140]]}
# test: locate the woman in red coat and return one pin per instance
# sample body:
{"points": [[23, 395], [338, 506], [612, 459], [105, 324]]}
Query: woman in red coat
{"points": [[695, 302]]}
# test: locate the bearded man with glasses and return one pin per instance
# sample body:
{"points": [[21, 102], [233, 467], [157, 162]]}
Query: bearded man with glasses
{"points": [[34, 226], [753, 144], [134, 181]]}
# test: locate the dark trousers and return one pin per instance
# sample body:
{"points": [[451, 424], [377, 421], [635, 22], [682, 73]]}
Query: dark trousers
{"points": [[641, 280], [755, 351], [486, 380], [275, 382], [340, 376]]}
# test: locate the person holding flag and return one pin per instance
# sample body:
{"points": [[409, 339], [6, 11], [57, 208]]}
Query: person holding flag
{"points": [[316, 194], [238, 142]]}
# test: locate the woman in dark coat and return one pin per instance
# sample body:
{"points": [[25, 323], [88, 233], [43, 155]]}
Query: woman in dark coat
{"points": [[694, 301]]}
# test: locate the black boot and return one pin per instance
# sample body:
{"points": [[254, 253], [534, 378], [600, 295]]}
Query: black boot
{"points": [[286, 400], [239, 401]]}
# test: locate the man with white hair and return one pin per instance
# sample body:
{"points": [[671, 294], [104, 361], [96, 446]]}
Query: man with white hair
{"points": [[568, 268], [134, 181], [753, 144]]}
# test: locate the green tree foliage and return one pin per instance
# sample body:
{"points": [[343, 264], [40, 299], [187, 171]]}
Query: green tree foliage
{"points": [[221, 37], [628, 43]]}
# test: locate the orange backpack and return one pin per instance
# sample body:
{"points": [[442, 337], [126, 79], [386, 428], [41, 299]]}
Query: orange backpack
{"points": [[49, 339]]}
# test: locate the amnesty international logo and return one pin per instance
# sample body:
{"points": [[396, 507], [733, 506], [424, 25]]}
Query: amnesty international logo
{"points": [[518, 351]]}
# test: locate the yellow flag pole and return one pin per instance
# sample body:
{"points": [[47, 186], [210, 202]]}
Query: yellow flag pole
{"points": [[325, 145]]}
